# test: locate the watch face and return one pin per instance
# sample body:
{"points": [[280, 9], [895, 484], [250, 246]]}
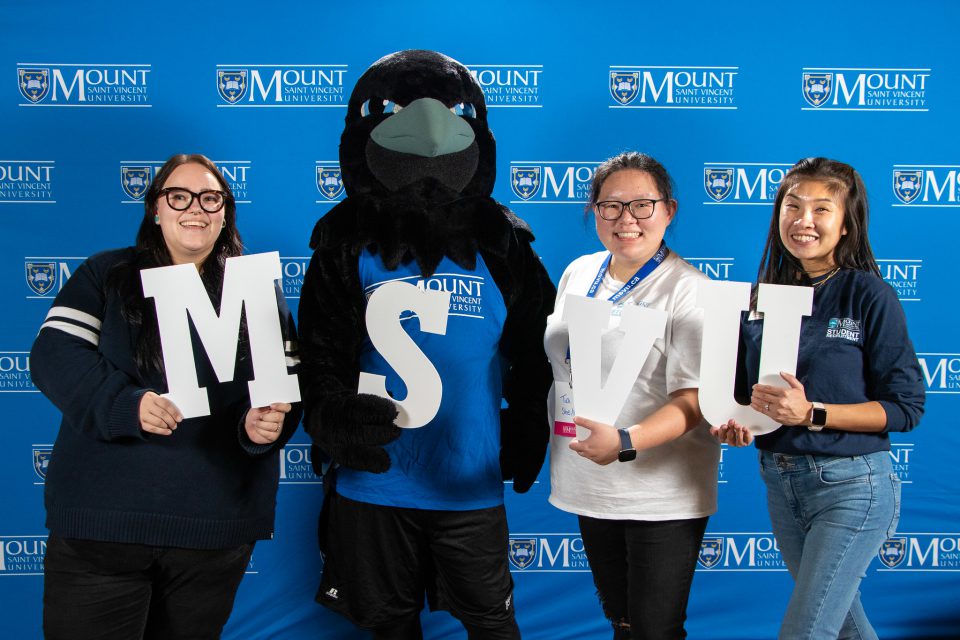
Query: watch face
{"points": [[819, 417], [626, 455]]}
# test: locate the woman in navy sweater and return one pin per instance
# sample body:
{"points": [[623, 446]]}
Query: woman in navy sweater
{"points": [[831, 491], [152, 517]]}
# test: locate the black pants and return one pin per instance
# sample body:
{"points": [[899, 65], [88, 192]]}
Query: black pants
{"points": [[643, 571], [115, 591]]}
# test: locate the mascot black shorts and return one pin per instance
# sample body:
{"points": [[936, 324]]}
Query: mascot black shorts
{"points": [[381, 560]]}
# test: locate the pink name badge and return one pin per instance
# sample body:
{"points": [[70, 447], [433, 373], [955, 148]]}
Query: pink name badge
{"points": [[563, 410]]}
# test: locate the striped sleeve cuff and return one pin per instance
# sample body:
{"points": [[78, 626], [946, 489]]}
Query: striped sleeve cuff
{"points": [[75, 322]]}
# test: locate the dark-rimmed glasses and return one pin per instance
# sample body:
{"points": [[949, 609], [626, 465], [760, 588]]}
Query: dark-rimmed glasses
{"points": [[180, 199], [640, 209]]}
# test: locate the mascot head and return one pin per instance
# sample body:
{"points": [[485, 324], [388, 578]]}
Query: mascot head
{"points": [[416, 125]]}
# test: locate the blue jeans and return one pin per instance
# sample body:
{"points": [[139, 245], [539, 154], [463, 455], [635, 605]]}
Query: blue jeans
{"points": [[830, 515]]}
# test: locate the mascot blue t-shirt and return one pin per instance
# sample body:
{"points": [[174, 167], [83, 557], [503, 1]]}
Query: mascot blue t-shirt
{"points": [[451, 463]]}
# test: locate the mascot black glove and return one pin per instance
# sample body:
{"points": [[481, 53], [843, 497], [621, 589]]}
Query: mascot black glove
{"points": [[522, 446], [352, 430]]}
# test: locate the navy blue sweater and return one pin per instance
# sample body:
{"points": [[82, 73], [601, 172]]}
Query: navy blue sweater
{"points": [[206, 486], [853, 348]]}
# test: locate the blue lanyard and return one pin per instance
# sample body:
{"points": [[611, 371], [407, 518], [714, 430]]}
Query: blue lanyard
{"points": [[637, 278]]}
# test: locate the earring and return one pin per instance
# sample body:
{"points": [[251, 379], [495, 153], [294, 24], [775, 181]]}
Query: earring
{"points": [[156, 219]]}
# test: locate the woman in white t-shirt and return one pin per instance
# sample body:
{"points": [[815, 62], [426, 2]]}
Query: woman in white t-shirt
{"points": [[643, 487]]}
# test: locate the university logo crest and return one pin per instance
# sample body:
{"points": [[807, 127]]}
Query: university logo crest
{"points": [[523, 552], [41, 276], [525, 181], [232, 84], [624, 86], [718, 183], [41, 458], [34, 83], [893, 551], [135, 180], [711, 550], [817, 88], [907, 185], [329, 182]]}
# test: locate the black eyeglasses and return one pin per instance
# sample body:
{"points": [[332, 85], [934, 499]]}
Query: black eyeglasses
{"points": [[179, 199], [640, 209]]}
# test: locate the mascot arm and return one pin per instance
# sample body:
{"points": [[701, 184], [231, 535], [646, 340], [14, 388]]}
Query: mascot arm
{"points": [[524, 428], [348, 427]]}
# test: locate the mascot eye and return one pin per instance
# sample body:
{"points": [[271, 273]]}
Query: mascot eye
{"points": [[464, 109], [376, 106]]}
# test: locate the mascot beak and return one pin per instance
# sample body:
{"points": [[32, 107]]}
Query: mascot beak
{"points": [[426, 128]]}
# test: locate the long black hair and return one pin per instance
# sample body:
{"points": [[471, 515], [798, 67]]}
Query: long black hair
{"points": [[151, 251], [779, 266]]}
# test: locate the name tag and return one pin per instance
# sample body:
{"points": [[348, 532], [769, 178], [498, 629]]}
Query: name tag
{"points": [[563, 410]]}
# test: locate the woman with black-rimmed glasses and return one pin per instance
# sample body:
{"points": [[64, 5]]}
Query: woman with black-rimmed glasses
{"points": [[643, 487], [152, 517]]}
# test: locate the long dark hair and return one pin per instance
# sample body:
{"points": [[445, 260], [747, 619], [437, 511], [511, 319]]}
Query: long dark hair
{"points": [[779, 266], [151, 251]]}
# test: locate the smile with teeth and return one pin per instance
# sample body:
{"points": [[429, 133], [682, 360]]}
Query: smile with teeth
{"points": [[627, 234], [194, 224], [803, 237]]}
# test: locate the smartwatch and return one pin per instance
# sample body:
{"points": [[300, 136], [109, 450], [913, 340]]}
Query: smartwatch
{"points": [[627, 452], [818, 419]]}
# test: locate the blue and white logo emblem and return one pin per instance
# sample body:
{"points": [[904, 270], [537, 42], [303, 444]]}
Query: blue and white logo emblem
{"points": [[523, 552], [892, 552], [711, 550], [34, 83], [41, 458], [41, 276], [817, 88], [718, 182], [525, 181], [329, 182], [135, 180], [907, 185], [624, 85], [232, 84]]}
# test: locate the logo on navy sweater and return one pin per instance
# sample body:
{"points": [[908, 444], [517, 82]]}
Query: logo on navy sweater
{"points": [[15, 372], [845, 328], [22, 555], [921, 552]]}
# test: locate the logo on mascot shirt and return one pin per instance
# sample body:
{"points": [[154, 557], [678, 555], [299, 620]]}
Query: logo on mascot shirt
{"points": [[15, 372], [27, 181], [329, 181], [903, 276], [926, 185], [22, 555], [509, 85], [84, 85], [672, 87], [751, 183], [281, 85], [848, 89]]}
